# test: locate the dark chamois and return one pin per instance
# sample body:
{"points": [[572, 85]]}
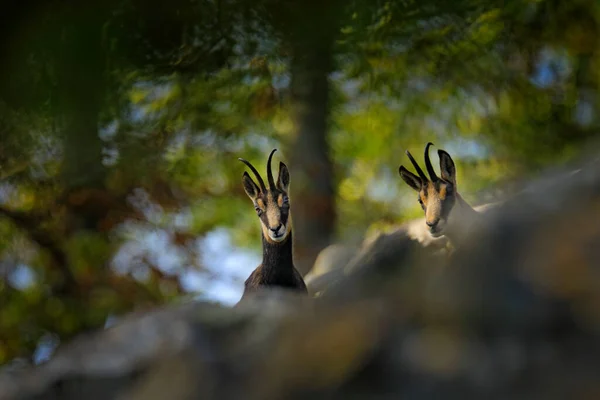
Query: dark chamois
{"points": [[273, 209]]}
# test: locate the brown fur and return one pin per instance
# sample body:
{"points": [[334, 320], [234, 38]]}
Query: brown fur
{"points": [[446, 213], [263, 277], [273, 209]]}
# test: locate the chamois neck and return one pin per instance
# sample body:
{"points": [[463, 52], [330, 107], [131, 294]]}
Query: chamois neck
{"points": [[463, 218], [277, 256], [465, 209]]}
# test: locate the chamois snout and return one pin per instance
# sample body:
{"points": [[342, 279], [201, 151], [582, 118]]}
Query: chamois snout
{"points": [[436, 227], [432, 224], [278, 233], [276, 229]]}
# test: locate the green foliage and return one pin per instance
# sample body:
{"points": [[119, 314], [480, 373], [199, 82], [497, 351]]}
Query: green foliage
{"points": [[130, 118]]}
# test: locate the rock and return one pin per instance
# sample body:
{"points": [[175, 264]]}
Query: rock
{"points": [[514, 313]]}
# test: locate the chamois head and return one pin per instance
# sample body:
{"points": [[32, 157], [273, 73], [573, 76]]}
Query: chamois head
{"points": [[437, 195], [271, 204]]}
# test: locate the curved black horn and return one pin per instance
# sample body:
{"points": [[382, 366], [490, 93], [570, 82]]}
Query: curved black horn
{"points": [[270, 172], [430, 169], [419, 170], [260, 181]]}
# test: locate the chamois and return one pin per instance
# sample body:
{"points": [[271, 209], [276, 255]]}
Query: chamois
{"points": [[448, 220], [446, 212], [273, 209]]}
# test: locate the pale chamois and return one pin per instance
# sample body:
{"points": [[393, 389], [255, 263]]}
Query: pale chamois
{"points": [[273, 209], [446, 212], [448, 220]]}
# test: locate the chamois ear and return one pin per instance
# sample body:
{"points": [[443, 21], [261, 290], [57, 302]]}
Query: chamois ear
{"points": [[250, 187], [283, 180], [411, 179], [447, 167]]}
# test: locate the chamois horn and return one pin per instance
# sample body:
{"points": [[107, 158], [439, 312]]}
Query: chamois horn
{"points": [[430, 169], [270, 172], [419, 170], [258, 177]]}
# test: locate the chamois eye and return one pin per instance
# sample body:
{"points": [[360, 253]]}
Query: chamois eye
{"points": [[286, 201], [258, 211]]}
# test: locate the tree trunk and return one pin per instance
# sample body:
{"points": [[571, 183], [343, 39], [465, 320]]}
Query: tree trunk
{"points": [[314, 212], [82, 87]]}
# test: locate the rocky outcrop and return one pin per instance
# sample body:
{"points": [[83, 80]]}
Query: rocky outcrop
{"points": [[515, 313]]}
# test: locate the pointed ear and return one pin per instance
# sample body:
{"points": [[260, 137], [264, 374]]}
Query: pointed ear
{"points": [[283, 180], [411, 179], [447, 167], [250, 187]]}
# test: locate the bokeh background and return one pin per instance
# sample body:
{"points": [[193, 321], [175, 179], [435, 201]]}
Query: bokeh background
{"points": [[121, 122]]}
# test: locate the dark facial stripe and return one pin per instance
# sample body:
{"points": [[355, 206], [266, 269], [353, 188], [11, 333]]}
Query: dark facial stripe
{"points": [[273, 201], [438, 191]]}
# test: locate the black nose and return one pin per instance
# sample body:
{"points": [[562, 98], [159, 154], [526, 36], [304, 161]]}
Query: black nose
{"points": [[433, 223], [275, 229]]}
